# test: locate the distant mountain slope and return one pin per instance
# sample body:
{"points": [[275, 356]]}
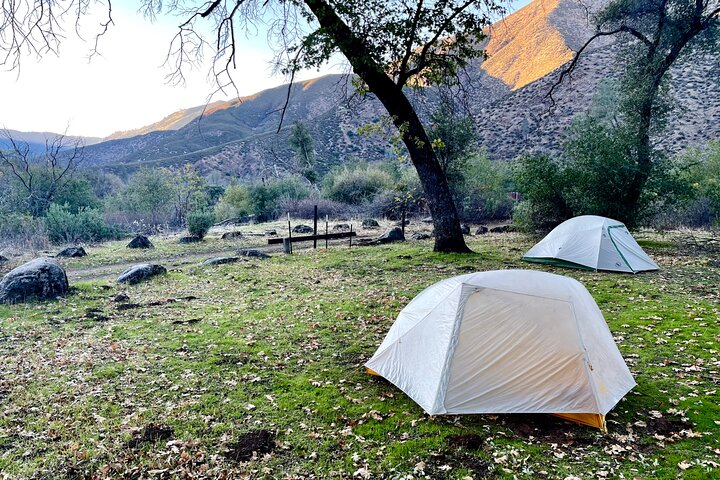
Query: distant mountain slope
{"points": [[36, 141], [507, 96], [174, 121]]}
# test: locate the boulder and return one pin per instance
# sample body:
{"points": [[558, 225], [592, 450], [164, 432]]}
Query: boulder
{"points": [[254, 254], [271, 233], [302, 229], [370, 223], [140, 241], [140, 273], [3, 259], [500, 229], [189, 239], [395, 234], [231, 236], [221, 260], [341, 227], [41, 278], [72, 252], [465, 228], [482, 230], [420, 236]]}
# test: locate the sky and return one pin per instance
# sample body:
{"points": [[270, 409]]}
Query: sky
{"points": [[126, 86]]}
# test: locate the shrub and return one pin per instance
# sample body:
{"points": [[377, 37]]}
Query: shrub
{"points": [[482, 190], [234, 203], [356, 184], [23, 232], [265, 198], [87, 225], [199, 222], [305, 208]]}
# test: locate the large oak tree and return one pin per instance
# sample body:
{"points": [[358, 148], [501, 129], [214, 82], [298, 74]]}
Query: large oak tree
{"points": [[654, 36], [390, 45]]}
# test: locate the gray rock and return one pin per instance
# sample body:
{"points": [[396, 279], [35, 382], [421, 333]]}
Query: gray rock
{"points": [[271, 233], [395, 234], [465, 228], [3, 259], [254, 254], [341, 227], [140, 241], [302, 229], [140, 273], [420, 236], [482, 230], [370, 223], [232, 235], [72, 252], [41, 278], [500, 229], [189, 239], [427, 220], [221, 260]]}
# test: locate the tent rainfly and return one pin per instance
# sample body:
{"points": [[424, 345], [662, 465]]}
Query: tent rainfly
{"points": [[594, 243], [508, 341]]}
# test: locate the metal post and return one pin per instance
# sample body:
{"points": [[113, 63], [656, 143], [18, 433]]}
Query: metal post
{"points": [[289, 233], [315, 227]]}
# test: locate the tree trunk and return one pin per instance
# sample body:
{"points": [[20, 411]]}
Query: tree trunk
{"points": [[448, 236]]}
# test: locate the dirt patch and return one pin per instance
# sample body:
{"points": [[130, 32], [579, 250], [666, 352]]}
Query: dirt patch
{"points": [[470, 441], [95, 314], [547, 428], [186, 322], [666, 426], [255, 442], [151, 433]]}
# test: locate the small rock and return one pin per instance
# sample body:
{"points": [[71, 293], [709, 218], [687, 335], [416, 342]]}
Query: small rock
{"points": [[482, 230], [271, 233], [395, 234], [427, 220], [72, 252], [370, 223], [254, 254], [189, 239], [41, 278], [232, 235], [341, 227], [420, 236], [302, 229], [465, 228], [121, 297], [139, 273], [221, 260], [140, 241], [500, 229]]}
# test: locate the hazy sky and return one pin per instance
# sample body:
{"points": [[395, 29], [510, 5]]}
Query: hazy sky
{"points": [[124, 88]]}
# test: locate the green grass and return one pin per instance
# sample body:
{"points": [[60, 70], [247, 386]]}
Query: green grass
{"points": [[280, 344]]}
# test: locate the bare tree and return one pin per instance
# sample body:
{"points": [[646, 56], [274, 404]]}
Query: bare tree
{"points": [[390, 45], [41, 177]]}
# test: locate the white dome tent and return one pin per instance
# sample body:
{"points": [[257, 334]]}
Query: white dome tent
{"points": [[509, 341], [591, 242]]}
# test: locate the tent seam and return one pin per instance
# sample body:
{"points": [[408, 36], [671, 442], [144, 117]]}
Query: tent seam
{"points": [[586, 362]]}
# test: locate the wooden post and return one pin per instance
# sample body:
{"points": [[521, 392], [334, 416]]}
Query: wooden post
{"points": [[326, 231], [402, 220], [350, 236], [315, 226], [289, 233], [287, 245]]}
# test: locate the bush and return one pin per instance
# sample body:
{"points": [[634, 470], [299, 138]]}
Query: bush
{"points": [[87, 225], [199, 222], [23, 232], [305, 208], [265, 198], [356, 184], [234, 203], [482, 190]]}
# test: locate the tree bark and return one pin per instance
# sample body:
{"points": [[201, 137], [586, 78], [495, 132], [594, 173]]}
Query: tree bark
{"points": [[448, 236]]}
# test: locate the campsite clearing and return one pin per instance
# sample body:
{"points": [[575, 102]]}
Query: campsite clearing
{"points": [[198, 369]]}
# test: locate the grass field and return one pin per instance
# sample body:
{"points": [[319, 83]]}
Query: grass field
{"points": [[196, 370]]}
